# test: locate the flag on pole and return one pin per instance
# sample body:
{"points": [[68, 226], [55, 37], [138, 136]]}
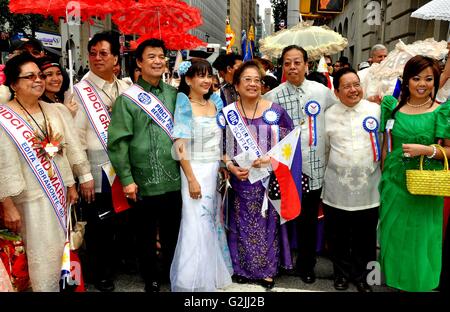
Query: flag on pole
{"points": [[229, 36], [248, 44], [323, 68], [286, 160], [112, 185]]}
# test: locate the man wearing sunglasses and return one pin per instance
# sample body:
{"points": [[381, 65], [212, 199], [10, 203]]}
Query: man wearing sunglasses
{"points": [[95, 95]]}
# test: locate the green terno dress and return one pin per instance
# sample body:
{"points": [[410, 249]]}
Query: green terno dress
{"points": [[411, 225]]}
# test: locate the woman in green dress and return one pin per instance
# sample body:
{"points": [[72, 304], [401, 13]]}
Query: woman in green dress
{"points": [[411, 225]]}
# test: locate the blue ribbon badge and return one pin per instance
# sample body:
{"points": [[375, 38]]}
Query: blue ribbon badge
{"points": [[312, 109], [370, 124], [221, 122], [271, 117]]}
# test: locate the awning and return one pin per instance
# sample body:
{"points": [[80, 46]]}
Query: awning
{"points": [[54, 51]]}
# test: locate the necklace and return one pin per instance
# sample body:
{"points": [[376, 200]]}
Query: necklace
{"points": [[204, 103], [418, 105], [254, 112], [45, 133]]}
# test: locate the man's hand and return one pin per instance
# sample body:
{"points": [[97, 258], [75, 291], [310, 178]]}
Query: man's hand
{"points": [[131, 191], [88, 191]]}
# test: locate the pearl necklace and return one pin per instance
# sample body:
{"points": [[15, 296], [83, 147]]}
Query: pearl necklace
{"points": [[419, 105], [205, 102]]}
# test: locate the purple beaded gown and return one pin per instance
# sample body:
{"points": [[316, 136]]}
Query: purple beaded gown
{"points": [[258, 245]]}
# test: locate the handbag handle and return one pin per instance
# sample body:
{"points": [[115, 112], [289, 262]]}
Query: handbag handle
{"points": [[443, 152]]}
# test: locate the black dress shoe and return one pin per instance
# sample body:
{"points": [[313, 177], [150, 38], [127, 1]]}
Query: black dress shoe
{"points": [[152, 287], [363, 287], [308, 277], [241, 280], [267, 284], [340, 283], [105, 285]]}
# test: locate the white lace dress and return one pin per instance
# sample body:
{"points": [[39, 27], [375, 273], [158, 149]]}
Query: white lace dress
{"points": [[202, 261], [42, 234]]}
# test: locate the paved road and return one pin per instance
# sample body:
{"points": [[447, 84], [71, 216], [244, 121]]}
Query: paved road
{"points": [[285, 283]]}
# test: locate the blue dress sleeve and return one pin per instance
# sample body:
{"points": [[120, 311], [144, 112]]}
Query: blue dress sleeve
{"points": [[183, 118], [217, 102]]}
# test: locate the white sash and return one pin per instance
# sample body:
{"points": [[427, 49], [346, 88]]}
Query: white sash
{"points": [[96, 110], [22, 135], [152, 106], [240, 130]]}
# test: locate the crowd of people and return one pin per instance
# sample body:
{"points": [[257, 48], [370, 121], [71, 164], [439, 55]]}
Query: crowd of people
{"points": [[171, 149]]}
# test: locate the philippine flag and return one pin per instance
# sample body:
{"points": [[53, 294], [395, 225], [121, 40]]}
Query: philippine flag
{"points": [[119, 200], [286, 160]]}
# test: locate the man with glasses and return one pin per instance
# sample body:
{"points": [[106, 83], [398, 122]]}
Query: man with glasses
{"points": [[305, 101], [140, 148], [95, 96], [350, 190]]}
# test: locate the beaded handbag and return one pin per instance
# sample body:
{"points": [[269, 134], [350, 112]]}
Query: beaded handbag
{"points": [[429, 182]]}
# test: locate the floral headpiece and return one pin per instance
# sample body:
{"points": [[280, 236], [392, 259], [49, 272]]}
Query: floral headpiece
{"points": [[184, 67], [2, 74]]}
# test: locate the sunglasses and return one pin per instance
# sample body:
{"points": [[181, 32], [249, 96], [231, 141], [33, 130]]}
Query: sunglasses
{"points": [[33, 77], [215, 85]]}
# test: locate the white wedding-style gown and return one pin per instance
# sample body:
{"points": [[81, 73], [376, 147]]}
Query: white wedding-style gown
{"points": [[202, 260]]}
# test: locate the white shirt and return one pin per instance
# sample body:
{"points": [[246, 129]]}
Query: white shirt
{"points": [[88, 138], [293, 99], [351, 175]]}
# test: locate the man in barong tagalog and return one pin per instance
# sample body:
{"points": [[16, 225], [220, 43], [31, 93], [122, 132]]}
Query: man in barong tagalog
{"points": [[139, 146], [95, 96], [305, 101]]}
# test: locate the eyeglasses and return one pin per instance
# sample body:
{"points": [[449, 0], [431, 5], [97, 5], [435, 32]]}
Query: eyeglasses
{"points": [[33, 77], [349, 86], [329, 64], [216, 85], [103, 54], [248, 80]]}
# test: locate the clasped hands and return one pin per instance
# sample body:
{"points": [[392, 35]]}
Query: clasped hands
{"points": [[242, 173]]}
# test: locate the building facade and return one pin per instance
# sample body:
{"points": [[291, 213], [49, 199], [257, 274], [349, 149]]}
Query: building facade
{"points": [[234, 12], [268, 25], [214, 14], [365, 23]]}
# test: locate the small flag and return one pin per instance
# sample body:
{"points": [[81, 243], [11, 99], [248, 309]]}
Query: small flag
{"points": [[286, 160], [323, 68], [120, 203], [397, 89]]}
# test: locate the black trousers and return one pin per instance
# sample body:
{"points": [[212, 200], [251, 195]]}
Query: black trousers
{"points": [[306, 228], [352, 239], [163, 211], [99, 238]]}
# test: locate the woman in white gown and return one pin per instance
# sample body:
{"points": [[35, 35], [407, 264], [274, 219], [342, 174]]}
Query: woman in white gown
{"points": [[26, 207], [201, 261]]}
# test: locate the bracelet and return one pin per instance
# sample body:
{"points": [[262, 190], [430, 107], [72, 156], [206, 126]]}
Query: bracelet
{"points": [[434, 152], [228, 163]]}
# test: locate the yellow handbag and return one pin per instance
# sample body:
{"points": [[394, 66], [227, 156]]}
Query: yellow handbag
{"points": [[429, 182], [76, 230]]}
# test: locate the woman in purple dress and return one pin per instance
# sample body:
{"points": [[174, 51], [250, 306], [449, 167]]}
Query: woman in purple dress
{"points": [[258, 244]]}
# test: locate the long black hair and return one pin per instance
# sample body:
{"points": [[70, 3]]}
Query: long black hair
{"points": [[413, 67], [198, 67]]}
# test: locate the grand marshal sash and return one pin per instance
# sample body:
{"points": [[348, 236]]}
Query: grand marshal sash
{"points": [[152, 106], [22, 135], [240, 130], [96, 110]]}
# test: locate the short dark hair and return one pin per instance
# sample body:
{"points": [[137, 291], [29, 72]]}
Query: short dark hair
{"points": [[224, 60], [270, 82], [13, 68], [199, 66], [292, 47], [111, 37], [238, 72], [341, 72], [317, 77], [153, 43]]}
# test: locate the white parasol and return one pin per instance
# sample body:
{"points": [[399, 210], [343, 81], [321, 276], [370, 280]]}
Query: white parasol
{"points": [[434, 10], [316, 40], [382, 78]]}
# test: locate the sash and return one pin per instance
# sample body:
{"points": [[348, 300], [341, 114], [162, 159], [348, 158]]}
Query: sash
{"points": [[99, 118], [152, 106], [240, 130], [22, 135], [96, 110]]}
